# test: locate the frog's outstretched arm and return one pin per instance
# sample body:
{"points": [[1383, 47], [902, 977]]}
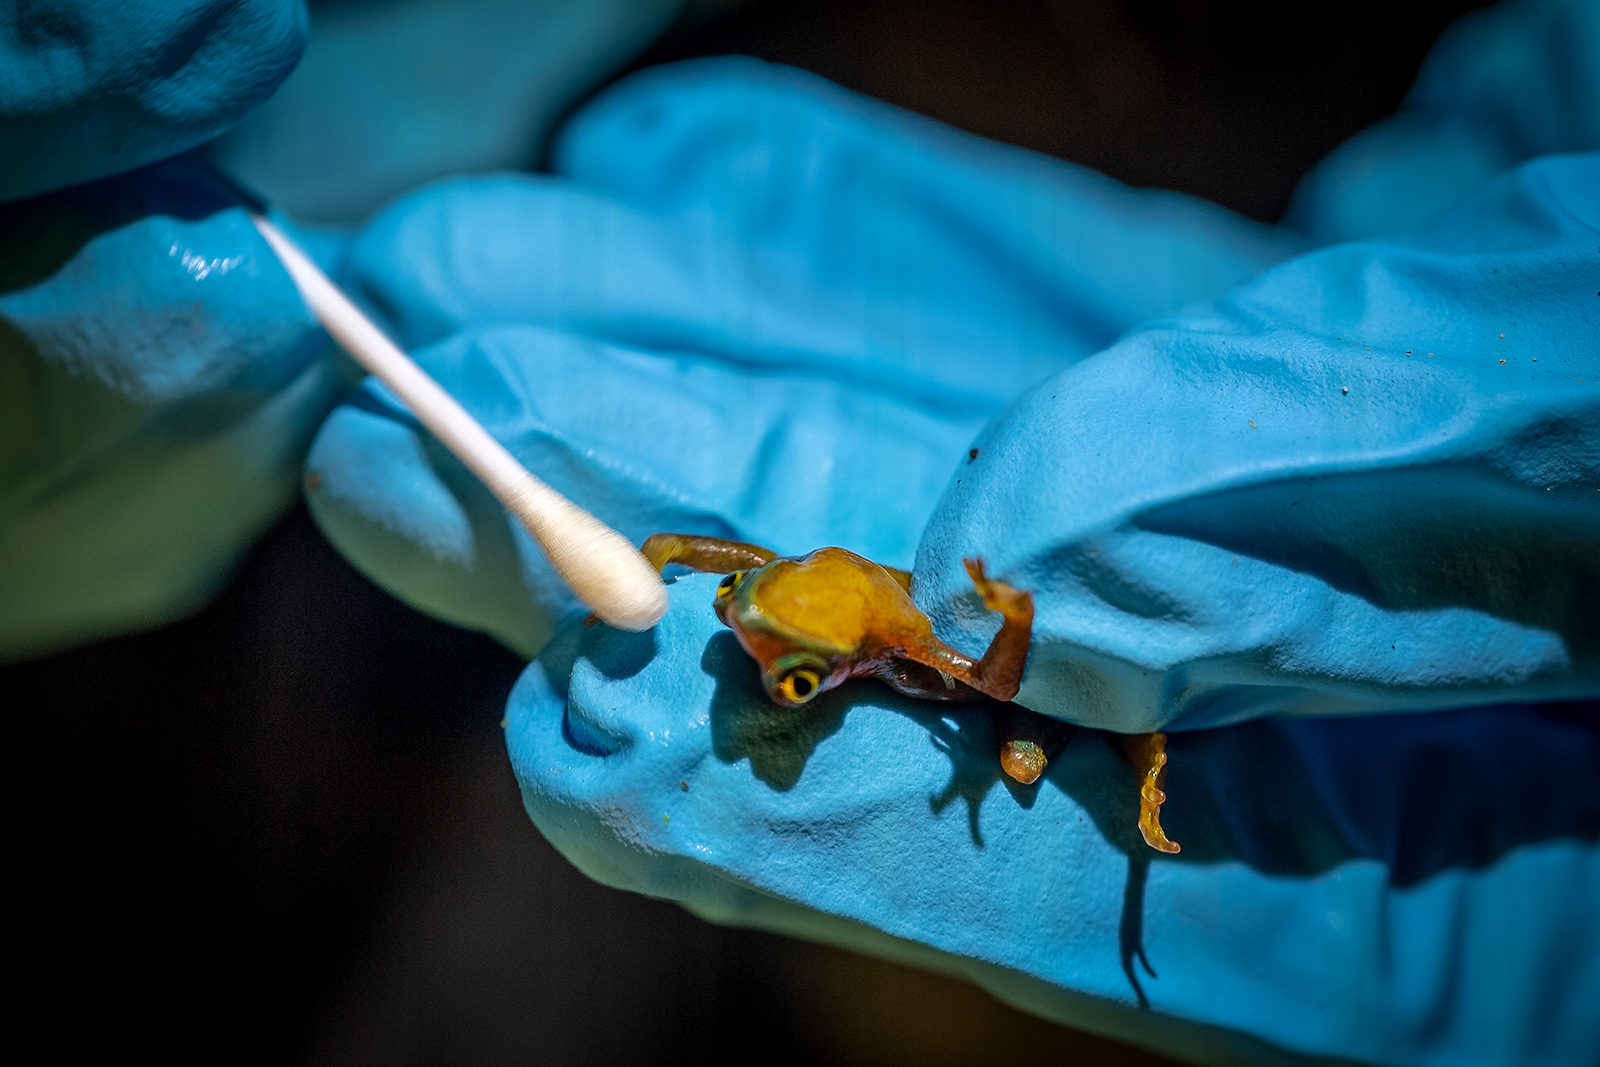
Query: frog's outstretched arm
{"points": [[714, 554], [999, 673]]}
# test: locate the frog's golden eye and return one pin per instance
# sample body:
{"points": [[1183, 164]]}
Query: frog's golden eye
{"points": [[728, 583], [800, 685]]}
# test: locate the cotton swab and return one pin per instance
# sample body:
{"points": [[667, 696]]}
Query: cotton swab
{"points": [[602, 567]]}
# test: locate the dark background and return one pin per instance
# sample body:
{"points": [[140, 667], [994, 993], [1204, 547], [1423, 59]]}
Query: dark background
{"points": [[285, 830]]}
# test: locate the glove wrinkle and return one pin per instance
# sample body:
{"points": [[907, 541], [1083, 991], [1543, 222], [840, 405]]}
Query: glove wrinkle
{"points": [[1340, 488]]}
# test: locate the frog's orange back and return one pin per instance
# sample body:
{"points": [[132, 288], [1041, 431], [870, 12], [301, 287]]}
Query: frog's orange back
{"points": [[834, 597]]}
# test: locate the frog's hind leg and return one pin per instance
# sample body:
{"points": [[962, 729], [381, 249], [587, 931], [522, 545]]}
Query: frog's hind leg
{"points": [[998, 674], [1148, 752], [715, 554]]}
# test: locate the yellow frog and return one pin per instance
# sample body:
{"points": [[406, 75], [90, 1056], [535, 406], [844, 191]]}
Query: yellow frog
{"points": [[812, 622]]}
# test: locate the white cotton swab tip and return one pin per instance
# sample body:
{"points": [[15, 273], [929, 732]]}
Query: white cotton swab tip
{"points": [[603, 568]]}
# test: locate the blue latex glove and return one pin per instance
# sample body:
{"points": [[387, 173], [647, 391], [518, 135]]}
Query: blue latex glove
{"points": [[1403, 889], [159, 383], [394, 93], [1502, 85], [759, 321], [1369, 480], [96, 87]]}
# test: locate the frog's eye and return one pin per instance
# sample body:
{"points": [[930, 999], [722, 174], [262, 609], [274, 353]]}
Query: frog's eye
{"points": [[800, 685], [798, 677], [729, 581]]}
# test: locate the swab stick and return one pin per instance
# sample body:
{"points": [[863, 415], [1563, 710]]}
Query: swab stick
{"points": [[602, 567]]}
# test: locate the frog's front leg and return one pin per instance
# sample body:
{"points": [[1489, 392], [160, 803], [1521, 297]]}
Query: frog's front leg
{"points": [[715, 554], [999, 673]]}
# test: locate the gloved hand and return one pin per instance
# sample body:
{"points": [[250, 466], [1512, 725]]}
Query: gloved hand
{"points": [[754, 305], [159, 382], [1310, 911], [1501, 86], [1403, 889], [1407, 889], [96, 87], [1368, 480], [159, 377], [1398, 889]]}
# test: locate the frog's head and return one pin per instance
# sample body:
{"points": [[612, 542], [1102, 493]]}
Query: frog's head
{"points": [[793, 635]]}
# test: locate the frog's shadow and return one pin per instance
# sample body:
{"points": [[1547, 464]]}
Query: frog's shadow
{"points": [[1288, 797], [1421, 793], [779, 742], [745, 724]]}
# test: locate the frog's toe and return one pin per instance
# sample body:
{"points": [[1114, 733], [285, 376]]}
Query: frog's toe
{"points": [[1150, 826], [1024, 761]]}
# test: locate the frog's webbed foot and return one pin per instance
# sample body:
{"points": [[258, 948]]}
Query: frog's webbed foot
{"points": [[1149, 755]]}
